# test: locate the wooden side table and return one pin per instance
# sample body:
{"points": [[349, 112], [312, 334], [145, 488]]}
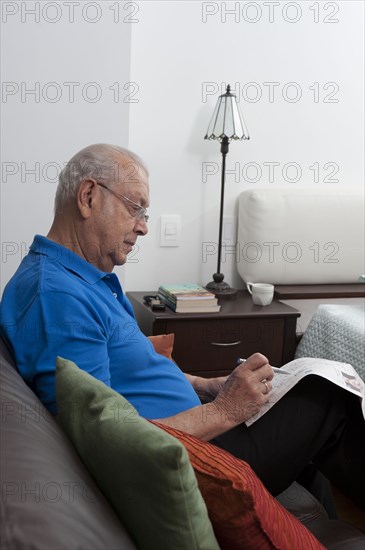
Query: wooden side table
{"points": [[208, 344]]}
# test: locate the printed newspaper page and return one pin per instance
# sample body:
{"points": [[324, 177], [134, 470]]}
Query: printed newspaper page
{"points": [[342, 374]]}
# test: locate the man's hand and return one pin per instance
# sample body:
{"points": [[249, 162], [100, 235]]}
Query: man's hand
{"points": [[246, 390], [206, 388], [240, 396]]}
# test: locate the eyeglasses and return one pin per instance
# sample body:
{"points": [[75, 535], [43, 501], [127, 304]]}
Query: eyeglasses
{"points": [[138, 211]]}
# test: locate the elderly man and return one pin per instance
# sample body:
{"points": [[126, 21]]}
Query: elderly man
{"points": [[64, 300]]}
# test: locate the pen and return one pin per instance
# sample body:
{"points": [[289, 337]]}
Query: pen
{"points": [[275, 369]]}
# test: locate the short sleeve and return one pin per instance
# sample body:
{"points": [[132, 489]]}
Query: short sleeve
{"points": [[60, 324]]}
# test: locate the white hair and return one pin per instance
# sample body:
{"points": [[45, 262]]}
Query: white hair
{"points": [[99, 161]]}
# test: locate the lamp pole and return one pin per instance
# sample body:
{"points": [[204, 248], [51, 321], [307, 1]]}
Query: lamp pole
{"points": [[218, 286], [224, 151]]}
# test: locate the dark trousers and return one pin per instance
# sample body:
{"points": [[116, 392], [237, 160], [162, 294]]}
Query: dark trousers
{"points": [[316, 422]]}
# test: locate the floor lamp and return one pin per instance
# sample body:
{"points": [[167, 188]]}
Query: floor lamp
{"points": [[226, 124]]}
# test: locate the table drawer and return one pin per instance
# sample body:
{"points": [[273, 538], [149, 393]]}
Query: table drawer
{"points": [[215, 345]]}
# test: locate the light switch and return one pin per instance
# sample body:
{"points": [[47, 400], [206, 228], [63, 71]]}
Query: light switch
{"points": [[170, 231], [229, 236]]}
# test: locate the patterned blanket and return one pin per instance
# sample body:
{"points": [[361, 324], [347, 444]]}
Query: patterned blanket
{"points": [[336, 332]]}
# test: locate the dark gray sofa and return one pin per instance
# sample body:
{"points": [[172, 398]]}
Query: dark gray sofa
{"points": [[50, 502]]}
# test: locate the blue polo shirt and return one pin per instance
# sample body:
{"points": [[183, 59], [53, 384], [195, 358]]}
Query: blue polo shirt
{"points": [[59, 304]]}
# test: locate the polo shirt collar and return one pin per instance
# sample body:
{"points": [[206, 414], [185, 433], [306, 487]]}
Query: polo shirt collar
{"points": [[67, 258]]}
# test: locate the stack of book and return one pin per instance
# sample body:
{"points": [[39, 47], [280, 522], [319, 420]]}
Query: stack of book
{"points": [[190, 298]]}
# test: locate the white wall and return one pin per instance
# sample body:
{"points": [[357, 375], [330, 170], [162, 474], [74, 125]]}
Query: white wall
{"points": [[175, 54], [41, 131], [171, 53]]}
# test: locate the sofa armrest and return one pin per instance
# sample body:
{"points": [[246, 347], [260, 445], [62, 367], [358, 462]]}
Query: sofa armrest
{"points": [[302, 504], [332, 533]]}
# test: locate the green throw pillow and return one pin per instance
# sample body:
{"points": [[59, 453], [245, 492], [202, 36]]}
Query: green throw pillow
{"points": [[144, 472]]}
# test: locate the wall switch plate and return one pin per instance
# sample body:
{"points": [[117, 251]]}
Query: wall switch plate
{"points": [[229, 233], [170, 230]]}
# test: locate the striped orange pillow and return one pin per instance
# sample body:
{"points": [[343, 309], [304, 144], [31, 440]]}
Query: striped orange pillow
{"points": [[244, 515]]}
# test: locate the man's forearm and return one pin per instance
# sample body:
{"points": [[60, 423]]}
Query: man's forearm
{"points": [[205, 421], [237, 398]]}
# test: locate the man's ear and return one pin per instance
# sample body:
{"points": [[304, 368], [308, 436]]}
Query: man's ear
{"points": [[85, 196]]}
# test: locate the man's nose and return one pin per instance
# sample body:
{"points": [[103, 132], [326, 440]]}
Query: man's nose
{"points": [[141, 227]]}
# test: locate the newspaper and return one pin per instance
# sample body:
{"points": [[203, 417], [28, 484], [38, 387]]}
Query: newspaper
{"points": [[342, 374]]}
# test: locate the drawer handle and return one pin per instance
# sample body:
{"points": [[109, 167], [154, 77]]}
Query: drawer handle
{"points": [[223, 344]]}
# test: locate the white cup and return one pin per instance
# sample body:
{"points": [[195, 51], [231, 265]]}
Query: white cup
{"points": [[262, 293]]}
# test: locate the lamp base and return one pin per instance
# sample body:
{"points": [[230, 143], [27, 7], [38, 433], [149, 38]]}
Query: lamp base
{"points": [[219, 287]]}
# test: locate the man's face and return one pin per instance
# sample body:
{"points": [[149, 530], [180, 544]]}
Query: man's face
{"points": [[116, 223]]}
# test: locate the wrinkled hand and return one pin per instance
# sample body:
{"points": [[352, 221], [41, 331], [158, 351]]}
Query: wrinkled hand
{"points": [[208, 388], [245, 390]]}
